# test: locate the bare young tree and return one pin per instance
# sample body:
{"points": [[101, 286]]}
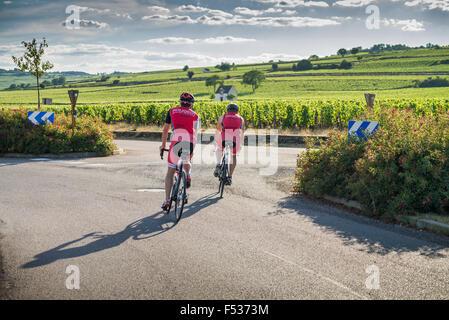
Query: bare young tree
{"points": [[32, 62]]}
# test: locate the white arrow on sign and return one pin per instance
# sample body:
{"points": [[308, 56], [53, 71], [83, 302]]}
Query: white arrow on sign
{"points": [[32, 117], [46, 116]]}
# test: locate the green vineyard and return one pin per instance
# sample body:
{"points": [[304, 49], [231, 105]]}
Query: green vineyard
{"points": [[259, 114]]}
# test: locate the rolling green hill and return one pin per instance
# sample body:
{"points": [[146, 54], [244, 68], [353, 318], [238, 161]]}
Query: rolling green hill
{"points": [[388, 74]]}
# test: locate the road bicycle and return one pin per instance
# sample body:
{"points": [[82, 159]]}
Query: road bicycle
{"points": [[178, 194]]}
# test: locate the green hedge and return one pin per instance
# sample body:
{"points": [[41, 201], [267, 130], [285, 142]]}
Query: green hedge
{"points": [[403, 168], [18, 135]]}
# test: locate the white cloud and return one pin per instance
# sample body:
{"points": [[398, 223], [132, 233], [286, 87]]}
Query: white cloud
{"points": [[215, 40], [227, 39], [429, 4], [105, 11], [406, 25], [249, 12], [289, 12], [83, 23], [7, 2], [175, 19], [269, 21], [295, 3], [353, 3], [197, 9], [158, 10]]}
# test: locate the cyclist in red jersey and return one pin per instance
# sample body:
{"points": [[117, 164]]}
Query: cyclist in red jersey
{"points": [[184, 123], [230, 127]]}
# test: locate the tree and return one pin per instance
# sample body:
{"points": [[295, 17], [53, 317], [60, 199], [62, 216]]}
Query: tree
{"points": [[224, 66], [314, 57], [253, 78], [355, 50], [13, 86], [32, 62], [345, 65], [186, 67], [212, 81], [190, 74], [342, 52], [304, 65], [42, 86], [275, 67]]}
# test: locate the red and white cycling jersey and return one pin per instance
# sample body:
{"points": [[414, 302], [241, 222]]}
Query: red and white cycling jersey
{"points": [[232, 125], [184, 121]]}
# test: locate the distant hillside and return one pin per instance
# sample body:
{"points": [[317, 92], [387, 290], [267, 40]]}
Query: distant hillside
{"points": [[386, 71], [9, 77]]}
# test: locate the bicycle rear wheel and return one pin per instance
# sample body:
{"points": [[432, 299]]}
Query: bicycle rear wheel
{"points": [[180, 196], [224, 169]]}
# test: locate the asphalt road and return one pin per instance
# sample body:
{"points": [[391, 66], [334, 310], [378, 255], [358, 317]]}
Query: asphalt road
{"points": [[103, 216]]}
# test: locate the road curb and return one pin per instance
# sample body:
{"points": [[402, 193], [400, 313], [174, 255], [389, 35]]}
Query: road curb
{"points": [[417, 222], [208, 137], [72, 155]]}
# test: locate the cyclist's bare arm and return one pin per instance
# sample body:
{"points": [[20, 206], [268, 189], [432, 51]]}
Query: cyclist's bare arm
{"points": [[242, 135], [165, 131], [219, 128]]}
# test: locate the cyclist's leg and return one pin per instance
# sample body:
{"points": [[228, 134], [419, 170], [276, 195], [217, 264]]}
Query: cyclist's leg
{"points": [[172, 162], [232, 164], [169, 182]]}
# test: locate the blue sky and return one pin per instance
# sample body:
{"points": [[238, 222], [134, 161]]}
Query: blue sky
{"points": [[144, 35]]}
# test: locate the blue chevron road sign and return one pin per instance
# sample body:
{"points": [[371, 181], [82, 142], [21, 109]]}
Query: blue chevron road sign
{"points": [[37, 117], [360, 128]]}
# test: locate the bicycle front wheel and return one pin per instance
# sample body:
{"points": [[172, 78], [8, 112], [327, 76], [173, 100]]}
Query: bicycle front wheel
{"points": [[224, 169]]}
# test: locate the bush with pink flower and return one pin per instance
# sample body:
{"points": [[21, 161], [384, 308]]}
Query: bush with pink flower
{"points": [[19, 135], [403, 169]]}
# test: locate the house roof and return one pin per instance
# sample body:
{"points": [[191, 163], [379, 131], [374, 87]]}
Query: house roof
{"points": [[226, 89]]}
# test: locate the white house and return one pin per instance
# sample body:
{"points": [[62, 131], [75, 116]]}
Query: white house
{"points": [[226, 93], [206, 70]]}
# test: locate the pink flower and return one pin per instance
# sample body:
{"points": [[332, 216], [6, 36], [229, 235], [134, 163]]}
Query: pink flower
{"points": [[88, 134], [93, 141]]}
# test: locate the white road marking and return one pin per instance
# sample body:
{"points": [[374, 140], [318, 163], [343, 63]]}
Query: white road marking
{"points": [[338, 284], [151, 190], [40, 159]]}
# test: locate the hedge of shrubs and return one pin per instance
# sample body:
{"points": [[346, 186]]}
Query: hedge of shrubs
{"points": [[402, 169], [19, 135]]}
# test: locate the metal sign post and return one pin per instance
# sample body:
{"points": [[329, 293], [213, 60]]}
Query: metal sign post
{"points": [[73, 94], [369, 97]]}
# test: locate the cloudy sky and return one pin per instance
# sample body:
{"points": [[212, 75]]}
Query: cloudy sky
{"points": [[143, 35]]}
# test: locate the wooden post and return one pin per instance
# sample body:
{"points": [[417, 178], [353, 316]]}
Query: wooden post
{"points": [[73, 94], [369, 97]]}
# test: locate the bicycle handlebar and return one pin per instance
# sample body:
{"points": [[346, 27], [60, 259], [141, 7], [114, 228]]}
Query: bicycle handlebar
{"points": [[162, 153]]}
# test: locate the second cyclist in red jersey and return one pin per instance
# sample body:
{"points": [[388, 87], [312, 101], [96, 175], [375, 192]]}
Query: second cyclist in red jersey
{"points": [[231, 128]]}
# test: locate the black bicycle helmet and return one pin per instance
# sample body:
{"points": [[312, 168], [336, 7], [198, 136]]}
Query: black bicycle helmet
{"points": [[233, 107], [187, 99]]}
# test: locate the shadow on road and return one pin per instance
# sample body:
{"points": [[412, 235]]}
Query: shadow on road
{"points": [[141, 229], [374, 236]]}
